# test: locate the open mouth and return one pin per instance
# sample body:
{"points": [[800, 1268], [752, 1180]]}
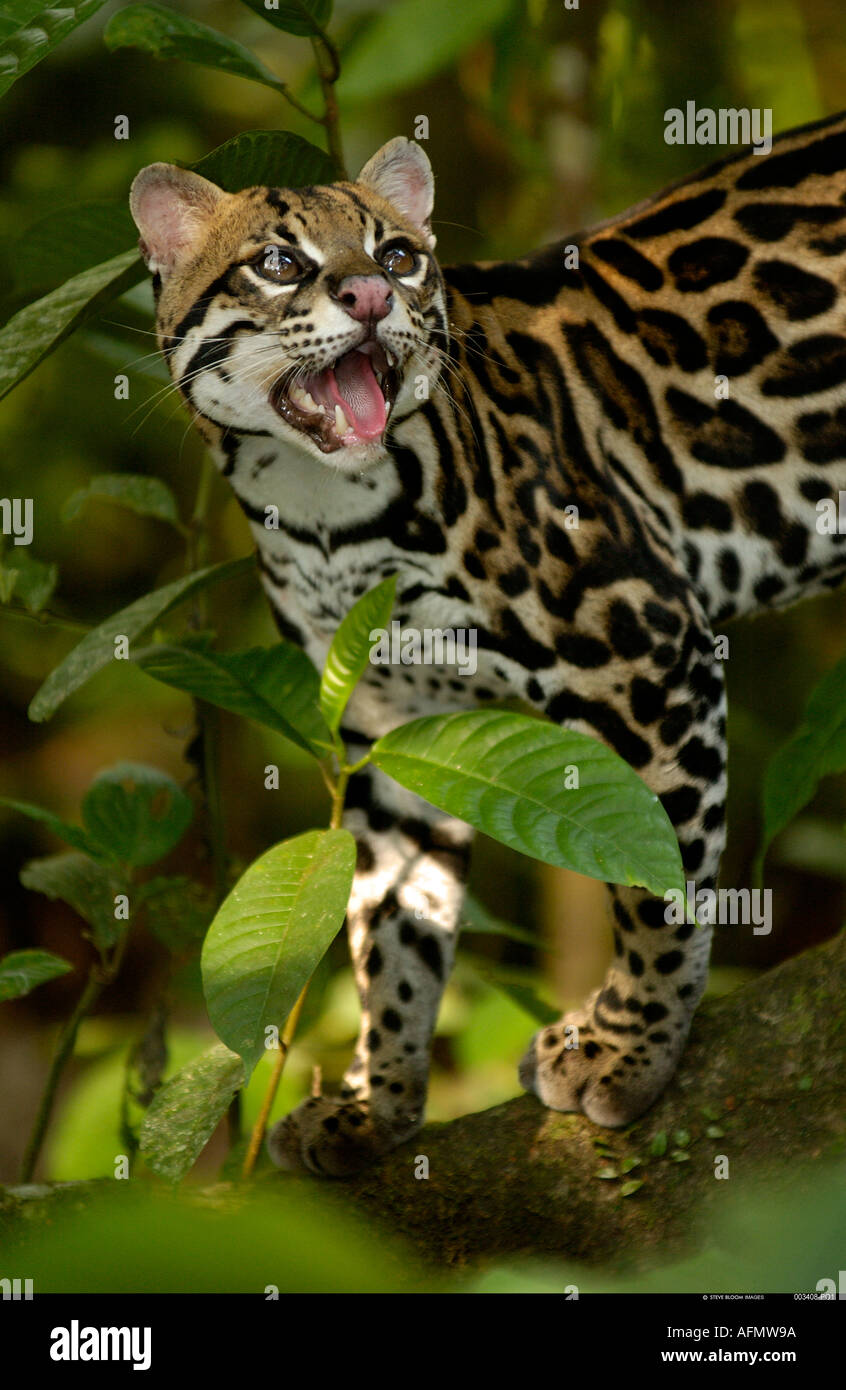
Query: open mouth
{"points": [[347, 403]]}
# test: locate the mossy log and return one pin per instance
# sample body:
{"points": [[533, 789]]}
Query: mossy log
{"points": [[761, 1083]]}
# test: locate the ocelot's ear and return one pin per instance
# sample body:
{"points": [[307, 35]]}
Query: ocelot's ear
{"points": [[171, 208], [401, 173]]}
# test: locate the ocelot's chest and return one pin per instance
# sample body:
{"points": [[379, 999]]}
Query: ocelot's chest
{"points": [[325, 540]]}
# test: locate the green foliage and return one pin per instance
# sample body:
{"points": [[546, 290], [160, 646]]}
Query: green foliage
{"points": [[135, 813], [29, 30], [349, 653], [303, 17], [276, 686], [71, 834], [185, 1112], [37, 329], [139, 494], [131, 1238], [271, 932], [22, 971], [275, 158], [177, 910], [817, 749], [391, 56], [167, 34], [25, 578], [97, 647], [506, 774], [92, 232], [85, 884]]}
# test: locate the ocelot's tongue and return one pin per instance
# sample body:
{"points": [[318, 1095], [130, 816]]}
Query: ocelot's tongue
{"points": [[352, 385]]}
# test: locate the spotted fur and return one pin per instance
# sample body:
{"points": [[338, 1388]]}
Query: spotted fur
{"points": [[550, 385]]}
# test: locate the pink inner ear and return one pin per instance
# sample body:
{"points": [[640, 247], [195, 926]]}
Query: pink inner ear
{"points": [[167, 223], [414, 198]]}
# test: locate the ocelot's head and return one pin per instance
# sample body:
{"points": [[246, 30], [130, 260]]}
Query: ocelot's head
{"points": [[316, 314]]}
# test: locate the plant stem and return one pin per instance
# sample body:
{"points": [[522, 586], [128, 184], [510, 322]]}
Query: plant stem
{"points": [[45, 619], [328, 70], [260, 1126], [99, 976]]}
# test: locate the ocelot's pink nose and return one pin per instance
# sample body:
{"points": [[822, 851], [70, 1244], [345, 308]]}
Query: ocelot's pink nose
{"points": [[367, 298]]}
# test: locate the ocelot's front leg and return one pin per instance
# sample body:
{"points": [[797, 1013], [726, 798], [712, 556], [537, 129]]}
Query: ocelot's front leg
{"points": [[402, 920], [613, 1057]]}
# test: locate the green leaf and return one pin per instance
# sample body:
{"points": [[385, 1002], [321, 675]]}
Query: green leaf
{"points": [[136, 813], [30, 580], [715, 1132], [681, 1138], [268, 158], [87, 885], [349, 654], [817, 749], [608, 1174], [166, 34], [71, 834], [186, 1110], [658, 1147], [97, 647], [476, 918], [177, 910], [680, 1156], [412, 39], [301, 17], [504, 773], [35, 331], [628, 1164], [91, 232], [269, 934], [29, 30], [629, 1188], [146, 496], [276, 686], [23, 971]]}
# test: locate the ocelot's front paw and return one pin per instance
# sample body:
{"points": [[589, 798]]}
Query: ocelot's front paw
{"points": [[334, 1138], [569, 1067]]}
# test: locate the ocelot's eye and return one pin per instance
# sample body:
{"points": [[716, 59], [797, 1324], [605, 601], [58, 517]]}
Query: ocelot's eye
{"points": [[398, 259], [278, 265]]}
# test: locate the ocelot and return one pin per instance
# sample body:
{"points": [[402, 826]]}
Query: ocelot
{"points": [[678, 384]]}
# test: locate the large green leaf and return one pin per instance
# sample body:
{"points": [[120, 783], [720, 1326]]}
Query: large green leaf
{"points": [[186, 1110], [97, 647], [268, 158], [301, 17], [167, 34], [817, 749], [140, 494], [136, 813], [22, 971], [410, 40], [506, 775], [36, 330], [350, 650], [29, 30], [277, 686], [87, 885], [67, 241], [271, 932]]}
